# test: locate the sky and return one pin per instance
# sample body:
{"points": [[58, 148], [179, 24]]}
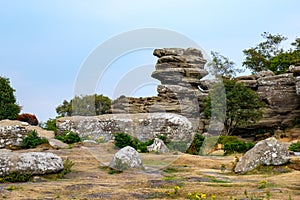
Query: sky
{"points": [[44, 44]]}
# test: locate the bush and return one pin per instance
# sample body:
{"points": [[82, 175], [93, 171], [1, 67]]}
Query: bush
{"points": [[223, 139], [237, 147], [68, 137], [8, 107], [123, 140], [50, 125], [197, 142], [29, 118], [295, 147], [32, 140], [16, 177]]}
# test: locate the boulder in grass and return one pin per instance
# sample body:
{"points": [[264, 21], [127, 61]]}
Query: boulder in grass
{"points": [[158, 146], [126, 158], [265, 152]]}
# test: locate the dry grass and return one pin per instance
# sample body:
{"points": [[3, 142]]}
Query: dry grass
{"points": [[162, 173]]}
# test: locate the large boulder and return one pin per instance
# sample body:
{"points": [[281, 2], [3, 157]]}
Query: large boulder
{"points": [[36, 163], [144, 126], [12, 132], [265, 152], [126, 158], [158, 146]]}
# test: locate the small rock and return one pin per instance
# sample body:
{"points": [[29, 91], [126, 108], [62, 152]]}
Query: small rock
{"points": [[126, 158], [57, 144], [158, 146]]}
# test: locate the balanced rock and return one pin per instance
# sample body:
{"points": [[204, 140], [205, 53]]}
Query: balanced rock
{"points": [[158, 146], [265, 152], [36, 163], [126, 158]]}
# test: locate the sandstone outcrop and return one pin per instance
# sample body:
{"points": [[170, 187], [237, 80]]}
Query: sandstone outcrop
{"points": [[36, 163], [179, 71], [144, 126], [126, 158], [12, 133], [265, 152]]}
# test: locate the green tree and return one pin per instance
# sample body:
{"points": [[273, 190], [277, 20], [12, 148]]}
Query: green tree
{"points": [[8, 107], [88, 105], [242, 107], [269, 55], [222, 66]]}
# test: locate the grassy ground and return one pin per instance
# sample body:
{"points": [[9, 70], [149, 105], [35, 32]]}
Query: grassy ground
{"points": [[166, 176]]}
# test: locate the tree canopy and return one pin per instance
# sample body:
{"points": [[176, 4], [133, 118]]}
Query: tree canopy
{"points": [[88, 105], [8, 107], [270, 55], [242, 106]]}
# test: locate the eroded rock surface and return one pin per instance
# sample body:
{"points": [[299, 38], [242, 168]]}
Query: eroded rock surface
{"points": [[126, 158], [36, 163], [144, 126], [265, 152]]}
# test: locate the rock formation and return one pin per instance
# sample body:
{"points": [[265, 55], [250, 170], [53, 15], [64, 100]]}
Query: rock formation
{"points": [[179, 71], [265, 152], [12, 133], [144, 126], [126, 158], [36, 163]]}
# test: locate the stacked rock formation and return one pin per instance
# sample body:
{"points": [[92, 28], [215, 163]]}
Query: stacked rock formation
{"points": [[179, 71], [280, 94]]}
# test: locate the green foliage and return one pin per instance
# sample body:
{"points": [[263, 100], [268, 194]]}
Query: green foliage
{"points": [[16, 177], [197, 142], [295, 147], [237, 106], [237, 146], [88, 105], [51, 125], [269, 55], [222, 66], [223, 139], [68, 164], [8, 107], [68, 137], [32, 140], [123, 140]]}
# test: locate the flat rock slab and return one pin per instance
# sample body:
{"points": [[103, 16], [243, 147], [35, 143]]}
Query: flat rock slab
{"points": [[144, 126], [36, 163]]}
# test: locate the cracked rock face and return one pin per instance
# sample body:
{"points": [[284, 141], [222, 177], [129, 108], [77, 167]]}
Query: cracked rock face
{"points": [[36, 163], [144, 126], [126, 158], [265, 152]]}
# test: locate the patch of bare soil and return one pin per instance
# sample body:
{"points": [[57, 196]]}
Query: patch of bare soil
{"points": [[166, 176]]}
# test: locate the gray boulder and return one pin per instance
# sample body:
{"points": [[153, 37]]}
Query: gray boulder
{"points": [[57, 144], [36, 163], [158, 146], [265, 152], [126, 158]]}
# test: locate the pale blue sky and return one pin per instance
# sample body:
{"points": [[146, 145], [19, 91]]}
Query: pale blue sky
{"points": [[44, 43]]}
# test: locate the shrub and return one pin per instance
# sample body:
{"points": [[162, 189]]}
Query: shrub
{"points": [[68, 164], [237, 147], [8, 107], [295, 147], [32, 140], [29, 118], [50, 125], [68, 137], [197, 142], [123, 140], [223, 139], [16, 177]]}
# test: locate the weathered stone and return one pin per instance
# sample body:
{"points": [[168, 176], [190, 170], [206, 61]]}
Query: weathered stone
{"points": [[126, 158], [297, 82], [158, 146], [264, 74], [168, 52], [265, 152], [249, 83], [144, 126], [295, 70], [36, 163], [57, 144]]}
